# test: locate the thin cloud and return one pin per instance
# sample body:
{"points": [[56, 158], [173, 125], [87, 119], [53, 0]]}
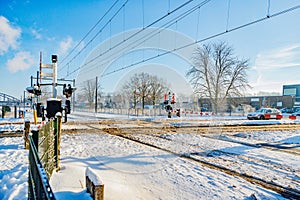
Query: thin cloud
{"points": [[287, 56], [65, 45], [278, 60], [21, 61], [9, 35], [36, 34]]}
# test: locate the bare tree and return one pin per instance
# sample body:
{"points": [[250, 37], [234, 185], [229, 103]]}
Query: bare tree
{"points": [[144, 88], [218, 74], [138, 88], [142, 91], [158, 87], [88, 91], [129, 91]]}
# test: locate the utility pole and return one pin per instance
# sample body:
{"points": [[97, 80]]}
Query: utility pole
{"points": [[54, 64], [73, 97], [96, 95]]}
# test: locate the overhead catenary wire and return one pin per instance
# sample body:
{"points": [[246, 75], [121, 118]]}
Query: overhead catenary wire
{"points": [[149, 36], [228, 12], [86, 35], [269, 5], [198, 21], [133, 35], [201, 40], [96, 35], [204, 39]]}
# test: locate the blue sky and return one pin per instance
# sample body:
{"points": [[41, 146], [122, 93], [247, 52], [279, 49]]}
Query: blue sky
{"points": [[55, 27]]}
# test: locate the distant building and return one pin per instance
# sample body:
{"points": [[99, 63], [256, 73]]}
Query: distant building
{"points": [[290, 97], [254, 101], [293, 91]]}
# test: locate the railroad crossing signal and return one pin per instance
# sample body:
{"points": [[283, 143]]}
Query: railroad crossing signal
{"points": [[67, 91], [34, 90], [169, 100], [52, 74]]}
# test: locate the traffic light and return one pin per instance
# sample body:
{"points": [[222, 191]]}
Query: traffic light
{"points": [[173, 99], [54, 58], [40, 109], [68, 106], [165, 99], [34, 90], [38, 91], [70, 90], [67, 90]]}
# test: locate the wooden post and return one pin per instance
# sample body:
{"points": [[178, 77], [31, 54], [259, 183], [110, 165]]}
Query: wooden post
{"points": [[35, 116], [94, 185], [26, 133], [57, 128]]}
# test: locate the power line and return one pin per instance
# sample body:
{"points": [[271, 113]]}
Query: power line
{"points": [[168, 24], [89, 31], [199, 41], [100, 31], [129, 37], [205, 39], [138, 32]]}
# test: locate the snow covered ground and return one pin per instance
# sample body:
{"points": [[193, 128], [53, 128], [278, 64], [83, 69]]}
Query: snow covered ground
{"points": [[130, 170], [13, 169]]}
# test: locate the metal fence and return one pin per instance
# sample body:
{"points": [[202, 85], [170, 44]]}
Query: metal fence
{"points": [[44, 155], [38, 184]]}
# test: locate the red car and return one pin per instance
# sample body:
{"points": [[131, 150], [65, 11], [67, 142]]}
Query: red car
{"points": [[265, 113]]}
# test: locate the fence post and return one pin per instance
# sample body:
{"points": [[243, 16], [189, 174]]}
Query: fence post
{"points": [[94, 185], [57, 128], [26, 133]]}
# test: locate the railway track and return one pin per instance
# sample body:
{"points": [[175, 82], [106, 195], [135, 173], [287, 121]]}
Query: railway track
{"points": [[11, 134], [219, 132], [279, 147], [156, 129], [131, 134]]}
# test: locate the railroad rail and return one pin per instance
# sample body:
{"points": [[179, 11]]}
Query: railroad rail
{"points": [[129, 129], [129, 133], [284, 191]]}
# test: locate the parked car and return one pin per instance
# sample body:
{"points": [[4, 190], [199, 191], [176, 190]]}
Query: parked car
{"points": [[287, 110], [297, 113], [296, 109], [203, 109], [265, 113]]}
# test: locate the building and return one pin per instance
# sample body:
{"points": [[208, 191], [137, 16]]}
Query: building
{"points": [[290, 98], [255, 102], [293, 91]]}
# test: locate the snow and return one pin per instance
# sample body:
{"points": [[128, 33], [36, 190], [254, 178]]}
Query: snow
{"points": [[130, 170], [93, 176], [141, 172], [13, 169]]}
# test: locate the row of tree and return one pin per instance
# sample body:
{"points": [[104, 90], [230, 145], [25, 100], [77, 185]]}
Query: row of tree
{"points": [[216, 74], [144, 89]]}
